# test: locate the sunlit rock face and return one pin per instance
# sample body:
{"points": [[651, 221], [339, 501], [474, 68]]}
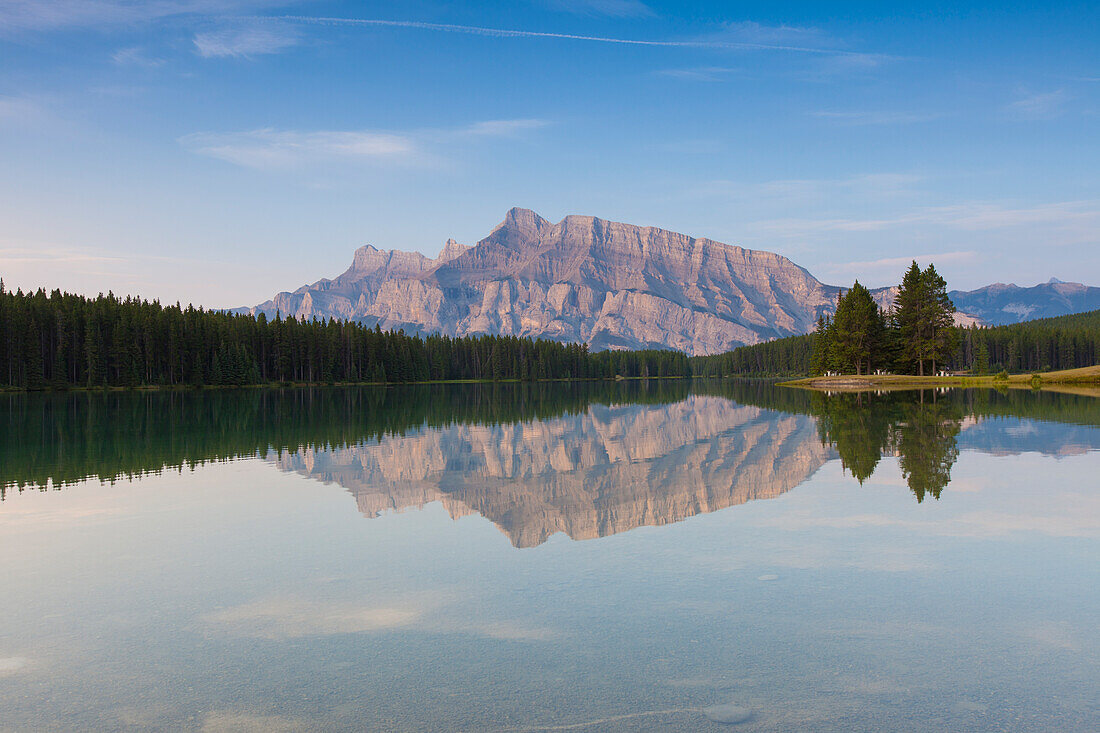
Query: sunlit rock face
{"points": [[607, 470], [616, 286], [583, 279]]}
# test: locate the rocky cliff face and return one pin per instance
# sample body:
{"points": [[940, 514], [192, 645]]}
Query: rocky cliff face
{"points": [[608, 284], [615, 285], [605, 471]]}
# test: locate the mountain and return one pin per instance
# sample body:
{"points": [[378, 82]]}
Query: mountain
{"points": [[608, 284], [1001, 304], [612, 285]]}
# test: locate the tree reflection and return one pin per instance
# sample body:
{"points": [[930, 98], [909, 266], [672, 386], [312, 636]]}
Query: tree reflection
{"points": [[917, 427], [927, 447]]}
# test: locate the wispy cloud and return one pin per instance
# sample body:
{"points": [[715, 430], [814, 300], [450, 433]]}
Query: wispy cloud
{"points": [[500, 128], [1042, 106], [613, 8], [268, 147], [752, 32], [1069, 222], [19, 109], [245, 42], [45, 15], [875, 117], [804, 39], [135, 56], [896, 263], [272, 148], [729, 43], [47, 254], [803, 192], [700, 73]]}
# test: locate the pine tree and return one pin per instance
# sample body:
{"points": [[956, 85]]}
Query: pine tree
{"points": [[857, 331], [981, 358], [941, 336], [909, 315], [823, 342]]}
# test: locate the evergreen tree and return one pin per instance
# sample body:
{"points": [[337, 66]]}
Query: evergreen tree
{"points": [[910, 315], [823, 345], [857, 331], [940, 333]]}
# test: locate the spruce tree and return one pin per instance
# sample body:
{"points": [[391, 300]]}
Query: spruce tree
{"points": [[909, 315], [823, 344], [857, 331], [940, 333]]}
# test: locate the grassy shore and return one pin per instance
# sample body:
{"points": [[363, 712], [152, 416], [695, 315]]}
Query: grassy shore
{"points": [[1087, 378]]}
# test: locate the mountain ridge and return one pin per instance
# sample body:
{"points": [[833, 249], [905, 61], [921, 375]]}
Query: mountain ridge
{"points": [[605, 283]]}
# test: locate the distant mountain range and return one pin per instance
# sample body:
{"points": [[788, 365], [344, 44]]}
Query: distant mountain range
{"points": [[999, 304], [613, 285]]}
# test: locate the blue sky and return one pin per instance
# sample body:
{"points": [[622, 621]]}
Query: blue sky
{"points": [[217, 151]]}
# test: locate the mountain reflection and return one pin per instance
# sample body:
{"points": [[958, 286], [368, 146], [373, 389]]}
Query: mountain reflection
{"points": [[600, 472], [611, 468], [586, 459]]}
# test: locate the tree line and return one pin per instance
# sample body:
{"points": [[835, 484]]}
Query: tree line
{"points": [[916, 337], [61, 340]]}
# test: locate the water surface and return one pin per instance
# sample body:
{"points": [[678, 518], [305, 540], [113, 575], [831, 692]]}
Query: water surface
{"points": [[550, 557]]}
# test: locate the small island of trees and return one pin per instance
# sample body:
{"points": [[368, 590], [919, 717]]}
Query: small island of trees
{"points": [[917, 333]]}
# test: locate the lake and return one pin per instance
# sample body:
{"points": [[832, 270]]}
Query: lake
{"points": [[584, 557]]}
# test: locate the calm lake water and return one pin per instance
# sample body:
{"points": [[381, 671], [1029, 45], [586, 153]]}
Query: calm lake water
{"points": [[550, 557]]}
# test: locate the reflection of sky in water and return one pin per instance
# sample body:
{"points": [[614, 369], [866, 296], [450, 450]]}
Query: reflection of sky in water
{"points": [[238, 597]]}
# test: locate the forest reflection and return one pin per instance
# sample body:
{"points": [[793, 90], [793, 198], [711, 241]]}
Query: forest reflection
{"points": [[920, 428], [588, 458], [52, 440]]}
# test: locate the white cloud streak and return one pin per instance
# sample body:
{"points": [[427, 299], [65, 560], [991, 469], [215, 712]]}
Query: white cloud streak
{"points": [[267, 147], [501, 128], [700, 73], [272, 148], [18, 109], [875, 118], [135, 56], [510, 33], [244, 42], [46, 15], [1042, 106], [612, 8], [1074, 221], [894, 263]]}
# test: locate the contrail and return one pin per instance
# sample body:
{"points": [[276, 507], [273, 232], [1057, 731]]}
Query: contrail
{"points": [[474, 30]]}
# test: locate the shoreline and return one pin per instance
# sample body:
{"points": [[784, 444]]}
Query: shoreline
{"points": [[1087, 378]]}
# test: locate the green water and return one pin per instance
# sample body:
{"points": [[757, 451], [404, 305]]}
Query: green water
{"points": [[594, 557]]}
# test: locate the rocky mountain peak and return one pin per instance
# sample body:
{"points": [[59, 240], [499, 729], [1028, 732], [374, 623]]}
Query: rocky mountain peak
{"points": [[522, 222], [451, 250], [611, 285]]}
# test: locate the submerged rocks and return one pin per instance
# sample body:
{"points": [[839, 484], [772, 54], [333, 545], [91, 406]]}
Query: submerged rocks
{"points": [[728, 713]]}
